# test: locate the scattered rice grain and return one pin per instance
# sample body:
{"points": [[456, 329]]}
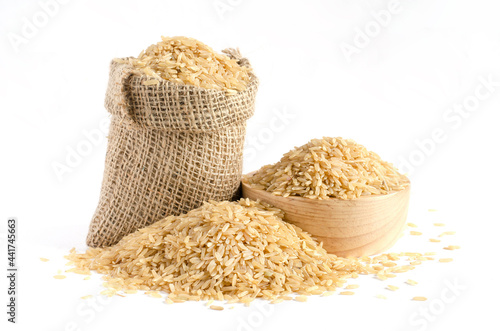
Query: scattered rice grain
{"points": [[419, 299], [444, 260], [301, 298], [392, 287], [213, 307]]}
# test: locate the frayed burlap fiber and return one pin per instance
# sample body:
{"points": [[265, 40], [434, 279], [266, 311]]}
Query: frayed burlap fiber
{"points": [[170, 148]]}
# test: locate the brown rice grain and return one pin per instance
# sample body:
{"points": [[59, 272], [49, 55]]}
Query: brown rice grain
{"points": [[214, 307], [419, 299], [444, 260], [447, 233]]}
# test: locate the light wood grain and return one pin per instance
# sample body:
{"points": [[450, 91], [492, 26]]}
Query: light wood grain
{"points": [[364, 226]]}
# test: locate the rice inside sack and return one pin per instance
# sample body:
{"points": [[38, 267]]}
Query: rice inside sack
{"points": [[188, 61]]}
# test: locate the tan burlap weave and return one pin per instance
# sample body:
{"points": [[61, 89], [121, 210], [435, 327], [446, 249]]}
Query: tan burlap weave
{"points": [[170, 148]]}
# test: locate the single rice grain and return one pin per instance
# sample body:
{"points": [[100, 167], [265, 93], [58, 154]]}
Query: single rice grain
{"points": [[301, 298], [419, 299], [214, 307], [444, 260]]}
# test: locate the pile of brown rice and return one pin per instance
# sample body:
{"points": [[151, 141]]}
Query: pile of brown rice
{"points": [[188, 61], [235, 251], [328, 168]]}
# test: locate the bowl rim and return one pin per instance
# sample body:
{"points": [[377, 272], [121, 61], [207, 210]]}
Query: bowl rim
{"points": [[332, 200]]}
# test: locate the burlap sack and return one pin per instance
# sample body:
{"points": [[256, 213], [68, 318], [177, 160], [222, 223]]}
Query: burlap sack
{"points": [[171, 147]]}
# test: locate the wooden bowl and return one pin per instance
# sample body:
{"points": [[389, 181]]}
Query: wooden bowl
{"points": [[360, 227]]}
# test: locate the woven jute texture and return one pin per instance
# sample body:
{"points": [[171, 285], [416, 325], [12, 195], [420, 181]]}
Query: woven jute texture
{"points": [[170, 148]]}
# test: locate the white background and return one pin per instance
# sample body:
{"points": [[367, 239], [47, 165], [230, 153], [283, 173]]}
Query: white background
{"points": [[400, 84]]}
